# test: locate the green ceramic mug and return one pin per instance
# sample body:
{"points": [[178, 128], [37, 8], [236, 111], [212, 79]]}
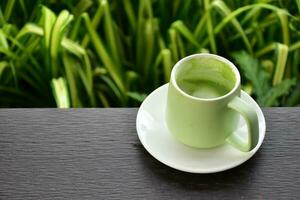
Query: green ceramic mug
{"points": [[204, 104]]}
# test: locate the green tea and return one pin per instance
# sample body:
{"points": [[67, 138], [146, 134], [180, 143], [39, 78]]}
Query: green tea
{"points": [[202, 88]]}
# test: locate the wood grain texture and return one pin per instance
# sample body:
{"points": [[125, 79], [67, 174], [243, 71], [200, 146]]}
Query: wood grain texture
{"points": [[95, 154]]}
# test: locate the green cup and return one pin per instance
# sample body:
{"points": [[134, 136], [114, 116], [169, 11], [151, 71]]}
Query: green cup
{"points": [[204, 104]]}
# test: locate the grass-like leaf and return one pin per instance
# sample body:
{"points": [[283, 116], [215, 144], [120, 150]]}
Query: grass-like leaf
{"points": [[57, 33], [109, 32], [282, 53], [271, 97], [240, 10], [103, 54], [71, 78], [49, 19], [8, 9], [130, 14], [107, 53], [3, 40], [181, 28], [173, 45], [95, 22], [3, 66], [149, 44], [60, 92], [137, 96], [209, 26], [284, 24], [222, 7], [167, 64]]}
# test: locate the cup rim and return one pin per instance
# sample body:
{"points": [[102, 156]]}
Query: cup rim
{"points": [[217, 57]]}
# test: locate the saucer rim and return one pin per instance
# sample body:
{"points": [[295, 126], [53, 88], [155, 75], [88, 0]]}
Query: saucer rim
{"points": [[196, 170]]}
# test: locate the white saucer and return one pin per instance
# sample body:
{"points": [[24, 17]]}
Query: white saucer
{"points": [[162, 145]]}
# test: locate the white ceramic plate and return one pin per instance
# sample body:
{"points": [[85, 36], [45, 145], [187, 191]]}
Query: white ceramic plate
{"points": [[162, 145]]}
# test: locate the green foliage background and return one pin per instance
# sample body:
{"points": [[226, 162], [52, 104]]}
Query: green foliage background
{"points": [[113, 53]]}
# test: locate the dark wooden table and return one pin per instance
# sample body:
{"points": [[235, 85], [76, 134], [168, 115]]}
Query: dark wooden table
{"points": [[95, 154]]}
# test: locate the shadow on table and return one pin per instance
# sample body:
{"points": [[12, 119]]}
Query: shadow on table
{"points": [[242, 176]]}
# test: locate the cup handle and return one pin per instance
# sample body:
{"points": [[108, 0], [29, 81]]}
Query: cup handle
{"points": [[251, 119]]}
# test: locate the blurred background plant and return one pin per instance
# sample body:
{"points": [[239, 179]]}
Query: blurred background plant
{"points": [[103, 53]]}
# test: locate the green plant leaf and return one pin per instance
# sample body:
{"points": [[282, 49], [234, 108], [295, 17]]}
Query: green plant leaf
{"points": [[271, 98], [73, 47], [284, 25], [30, 28], [240, 10], [109, 32], [131, 78], [298, 5], [225, 11], [150, 25], [113, 88], [103, 55], [282, 53], [145, 17], [3, 40], [63, 19], [130, 14], [95, 22], [2, 20], [8, 9], [173, 45], [137, 96], [209, 27], [14, 95], [131, 46], [254, 73], [71, 78], [294, 98], [103, 99], [3, 66], [49, 19], [68, 44], [60, 92], [181, 28], [82, 6], [200, 28], [167, 64]]}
